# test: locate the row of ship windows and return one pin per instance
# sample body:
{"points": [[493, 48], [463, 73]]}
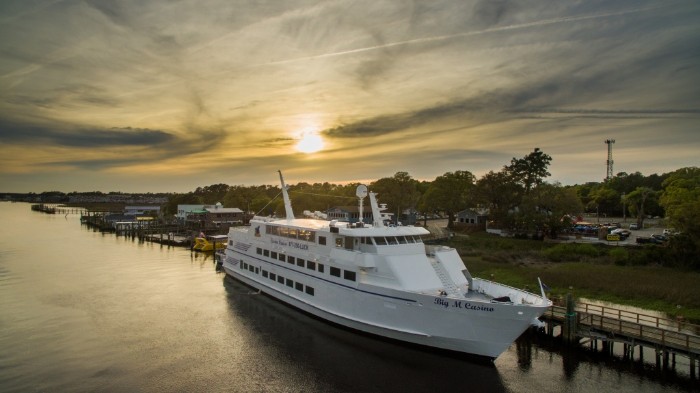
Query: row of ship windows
{"points": [[310, 236], [274, 277], [311, 265]]}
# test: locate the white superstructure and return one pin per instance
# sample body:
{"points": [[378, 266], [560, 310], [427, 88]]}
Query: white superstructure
{"points": [[381, 280]]}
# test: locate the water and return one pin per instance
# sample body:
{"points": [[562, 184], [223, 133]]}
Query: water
{"points": [[85, 311]]}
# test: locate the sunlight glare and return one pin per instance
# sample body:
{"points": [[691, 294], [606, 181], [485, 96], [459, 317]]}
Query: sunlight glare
{"points": [[310, 143]]}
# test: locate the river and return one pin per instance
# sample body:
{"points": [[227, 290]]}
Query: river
{"points": [[84, 311]]}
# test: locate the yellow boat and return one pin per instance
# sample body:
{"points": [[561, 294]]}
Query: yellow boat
{"points": [[206, 244]]}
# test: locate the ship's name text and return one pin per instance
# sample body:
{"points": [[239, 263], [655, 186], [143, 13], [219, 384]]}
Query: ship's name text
{"points": [[290, 244], [459, 304]]}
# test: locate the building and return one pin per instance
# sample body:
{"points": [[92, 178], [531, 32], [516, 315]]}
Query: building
{"points": [[210, 215], [142, 210], [471, 217], [350, 214]]}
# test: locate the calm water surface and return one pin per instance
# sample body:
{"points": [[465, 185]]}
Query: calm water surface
{"points": [[85, 311]]}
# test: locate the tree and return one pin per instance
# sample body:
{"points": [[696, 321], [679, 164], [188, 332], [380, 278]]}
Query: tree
{"points": [[636, 201], [681, 200], [212, 194], [180, 199], [500, 194], [451, 193], [400, 192], [554, 207], [530, 170]]}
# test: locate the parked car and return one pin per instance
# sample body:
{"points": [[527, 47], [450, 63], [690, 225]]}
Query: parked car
{"points": [[658, 239], [643, 239], [634, 226], [624, 233]]}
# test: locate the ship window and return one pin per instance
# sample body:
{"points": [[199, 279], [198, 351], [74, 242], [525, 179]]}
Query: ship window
{"points": [[306, 235], [257, 270], [380, 241], [392, 240], [258, 250], [348, 275], [230, 242], [290, 259], [280, 279], [299, 286], [265, 273], [310, 290], [335, 271], [322, 240], [292, 233], [268, 229], [339, 242], [418, 239], [273, 276], [402, 240], [273, 254], [300, 262], [244, 265], [283, 231], [311, 265], [321, 268], [281, 257], [266, 253], [289, 283]]}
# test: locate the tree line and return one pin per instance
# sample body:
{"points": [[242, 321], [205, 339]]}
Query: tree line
{"points": [[517, 196]]}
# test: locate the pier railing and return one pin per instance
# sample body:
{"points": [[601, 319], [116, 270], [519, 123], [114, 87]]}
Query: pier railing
{"points": [[633, 326]]}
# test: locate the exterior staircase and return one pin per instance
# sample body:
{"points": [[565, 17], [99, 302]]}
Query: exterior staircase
{"points": [[449, 285]]}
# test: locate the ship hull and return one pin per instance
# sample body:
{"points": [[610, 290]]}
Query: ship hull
{"points": [[476, 328]]}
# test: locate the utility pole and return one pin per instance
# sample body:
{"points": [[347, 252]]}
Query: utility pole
{"points": [[609, 174]]}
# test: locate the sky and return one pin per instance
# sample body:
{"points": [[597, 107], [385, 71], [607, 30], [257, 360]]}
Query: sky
{"points": [[168, 96]]}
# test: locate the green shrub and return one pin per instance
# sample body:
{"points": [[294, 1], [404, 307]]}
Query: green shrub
{"points": [[570, 252], [619, 256]]}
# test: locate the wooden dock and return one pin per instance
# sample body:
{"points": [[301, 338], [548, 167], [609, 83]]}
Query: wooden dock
{"points": [[594, 324]]}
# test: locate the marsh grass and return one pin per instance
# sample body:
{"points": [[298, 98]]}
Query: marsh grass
{"points": [[602, 273]]}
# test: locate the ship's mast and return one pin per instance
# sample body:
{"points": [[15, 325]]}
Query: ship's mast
{"points": [[287, 202], [376, 213]]}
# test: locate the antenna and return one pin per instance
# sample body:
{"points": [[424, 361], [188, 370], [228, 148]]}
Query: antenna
{"points": [[609, 173], [361, 193]]}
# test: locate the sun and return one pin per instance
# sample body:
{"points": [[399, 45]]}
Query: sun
{"points": [[310, 142]]}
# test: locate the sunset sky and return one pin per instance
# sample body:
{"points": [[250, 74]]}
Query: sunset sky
{"points": [[166, 96]]}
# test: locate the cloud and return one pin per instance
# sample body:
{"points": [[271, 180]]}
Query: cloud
{"points": [[81, 137]]}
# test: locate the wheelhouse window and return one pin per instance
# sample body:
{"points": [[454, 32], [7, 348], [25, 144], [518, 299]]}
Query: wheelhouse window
{"points": [[335, 271], [349, 275], [380, 240]]}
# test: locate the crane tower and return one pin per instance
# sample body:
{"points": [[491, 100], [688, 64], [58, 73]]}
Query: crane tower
{"points": [[609, 174]]}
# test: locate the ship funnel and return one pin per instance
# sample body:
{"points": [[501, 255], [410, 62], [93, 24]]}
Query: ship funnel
{"points": [[287, 202]]}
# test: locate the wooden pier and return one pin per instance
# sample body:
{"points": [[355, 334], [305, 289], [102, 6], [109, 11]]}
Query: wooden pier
{"points": [[593, 324]]}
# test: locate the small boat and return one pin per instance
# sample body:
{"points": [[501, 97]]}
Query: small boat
{"points": [[209, 243], [381, 280]]}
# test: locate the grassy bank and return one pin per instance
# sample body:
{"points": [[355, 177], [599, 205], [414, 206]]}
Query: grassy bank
{"points": [[604, 273]]}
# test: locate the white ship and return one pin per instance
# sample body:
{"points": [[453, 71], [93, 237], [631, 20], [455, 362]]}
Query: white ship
{"points": [[381, 280]]}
